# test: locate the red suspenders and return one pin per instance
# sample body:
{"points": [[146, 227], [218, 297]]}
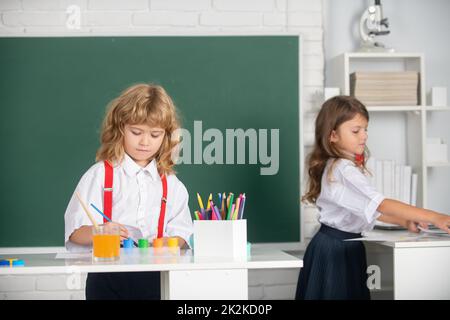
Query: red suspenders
{"points": [[108, 191], [162, 213]]}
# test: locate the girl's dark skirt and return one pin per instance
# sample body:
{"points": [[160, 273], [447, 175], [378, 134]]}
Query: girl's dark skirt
{"points": [[123, 286], [332, 268]]}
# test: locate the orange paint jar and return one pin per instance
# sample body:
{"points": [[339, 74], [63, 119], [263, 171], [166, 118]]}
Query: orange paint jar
{"points": [[106, 243]]}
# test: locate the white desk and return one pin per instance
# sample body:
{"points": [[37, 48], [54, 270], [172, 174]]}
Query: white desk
{"points": [[412, 268], [182, 277]]}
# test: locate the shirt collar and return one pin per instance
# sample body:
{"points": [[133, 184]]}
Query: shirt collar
{"points": [[132, 168]]}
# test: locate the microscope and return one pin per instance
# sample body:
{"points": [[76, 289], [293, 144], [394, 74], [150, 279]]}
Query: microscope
{"points": [[373, 24]]}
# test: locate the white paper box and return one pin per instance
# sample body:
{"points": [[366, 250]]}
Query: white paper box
{"points": [[439, 96], [434, 141], [220, 238], [437, 152]]}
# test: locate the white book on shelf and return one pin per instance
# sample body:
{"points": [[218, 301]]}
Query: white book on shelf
{"points": [[414, 178], [371, 166], [393, 178], [387, 178], [398, 181], [406, 178], [379, 176]]}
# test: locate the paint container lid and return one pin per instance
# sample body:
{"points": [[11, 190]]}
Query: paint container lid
{"points": [[172, 242], [128, 243], [158, 243], [143, 243]]}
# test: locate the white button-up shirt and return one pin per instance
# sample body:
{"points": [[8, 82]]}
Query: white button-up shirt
{"points": [[136, 201], [348, 202]]}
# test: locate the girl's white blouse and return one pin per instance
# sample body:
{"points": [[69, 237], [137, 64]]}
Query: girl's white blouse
{"points": [[348, 202]]}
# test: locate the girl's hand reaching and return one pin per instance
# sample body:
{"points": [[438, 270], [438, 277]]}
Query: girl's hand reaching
{"points": [[442, 221], [413, 226]]}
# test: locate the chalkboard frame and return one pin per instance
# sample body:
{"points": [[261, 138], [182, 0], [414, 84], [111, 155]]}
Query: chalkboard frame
{"points": [[300, 135]]}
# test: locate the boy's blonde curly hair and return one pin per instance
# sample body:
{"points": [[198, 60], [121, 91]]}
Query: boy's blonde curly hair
{"points": [[140, 104]]}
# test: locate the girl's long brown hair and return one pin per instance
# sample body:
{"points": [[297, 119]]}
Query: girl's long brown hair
{"points": [[140, 104], [333, 113]]}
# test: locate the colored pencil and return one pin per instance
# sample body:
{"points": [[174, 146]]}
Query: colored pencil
{"points": [[236, 210], [218, 213], [241, 213], [230, 206], [200, 202], [209, 202]]}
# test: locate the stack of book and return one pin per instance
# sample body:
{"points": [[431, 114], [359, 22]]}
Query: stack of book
{"points": [[393, 180], [385, 88]]}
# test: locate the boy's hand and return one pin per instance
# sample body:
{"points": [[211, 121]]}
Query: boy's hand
{"points": [[123, 231]]}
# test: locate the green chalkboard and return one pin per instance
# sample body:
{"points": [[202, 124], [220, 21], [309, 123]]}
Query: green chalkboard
{"points": [[53, 95]]}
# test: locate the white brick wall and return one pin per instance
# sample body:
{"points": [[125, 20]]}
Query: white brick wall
{"points": [[270, 284], [10, 5], [263, 284], [244, 5], [40, 287], [105, 5], [51, 5], [17, 283], [305, 5], [165, 18], [180, 5], [149, 17], [232, 19]]}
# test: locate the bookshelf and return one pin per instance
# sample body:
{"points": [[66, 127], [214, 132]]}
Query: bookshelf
{"points": [[405, 126]]}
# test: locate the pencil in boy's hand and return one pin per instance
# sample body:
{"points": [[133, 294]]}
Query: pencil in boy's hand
{"points": [[108, 219], [98, 210]]}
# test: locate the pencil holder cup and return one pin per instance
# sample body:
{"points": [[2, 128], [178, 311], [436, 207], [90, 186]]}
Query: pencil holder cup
{"points": [[220, 238], [106, 243]]}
